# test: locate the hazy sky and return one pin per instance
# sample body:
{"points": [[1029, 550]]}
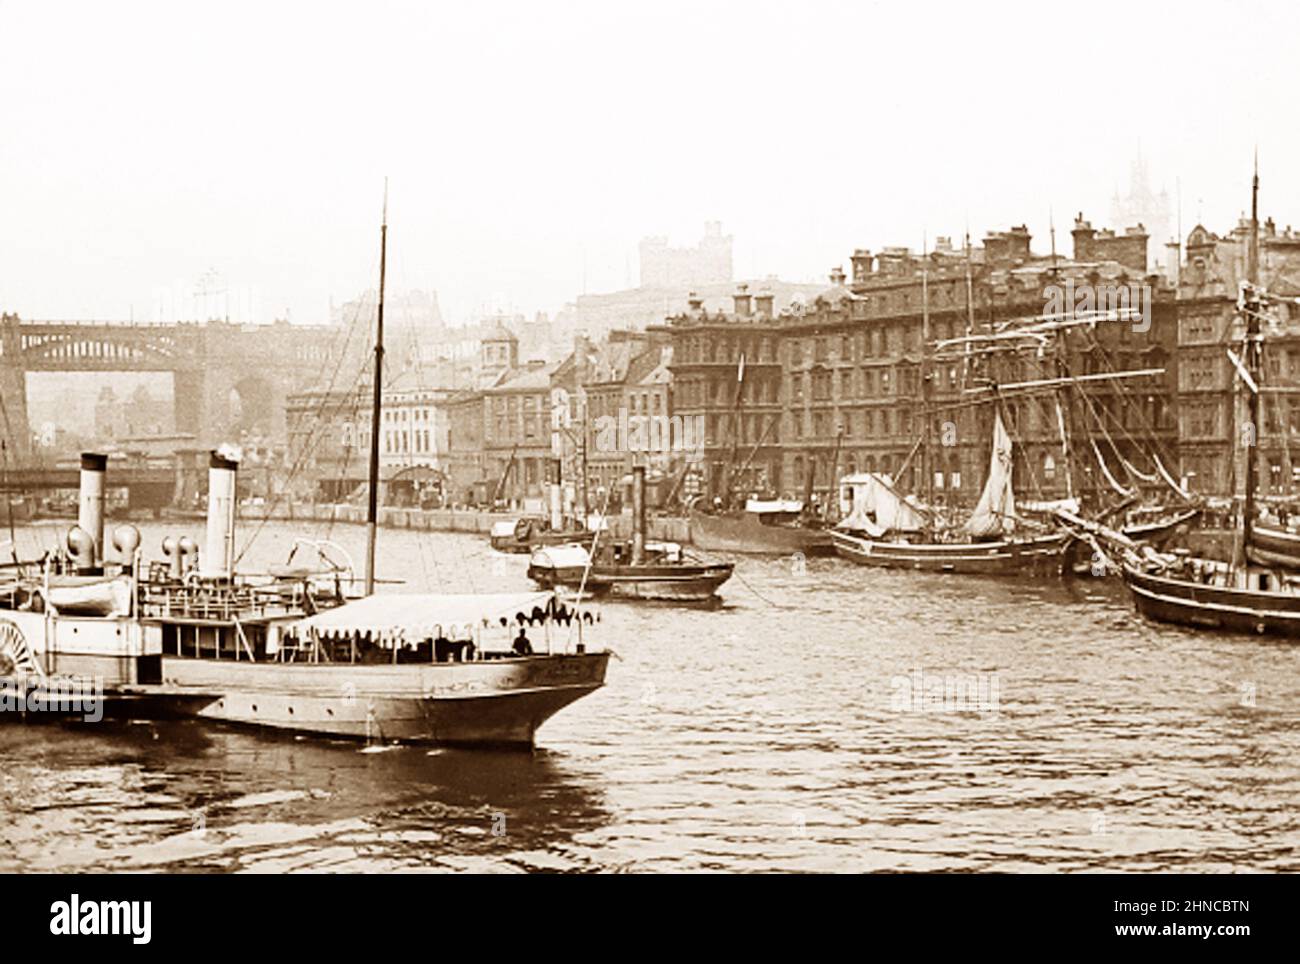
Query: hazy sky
{"points": [[143, 144]]}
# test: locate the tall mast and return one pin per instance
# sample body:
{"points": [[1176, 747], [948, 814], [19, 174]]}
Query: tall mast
{"points": [[970, 313], [1061, 368], [928, 460], [1251, 306], [970, 333], [735, 432], [1051, 227], [372, 510]]}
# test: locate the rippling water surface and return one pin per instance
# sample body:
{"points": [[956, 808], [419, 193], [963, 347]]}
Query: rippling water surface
{"points": [[768, 734]]}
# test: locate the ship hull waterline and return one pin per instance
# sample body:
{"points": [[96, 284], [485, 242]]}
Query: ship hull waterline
{"points": [[745, 533], [52, 701], [1044, 555], [1157, 534], [649, 583], [1181, 602], [499, 703], [1273, 547]]}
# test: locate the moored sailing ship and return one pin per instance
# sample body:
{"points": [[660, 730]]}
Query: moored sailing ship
{"points": [[884, 529], [1241, 596], [1274, 545]]}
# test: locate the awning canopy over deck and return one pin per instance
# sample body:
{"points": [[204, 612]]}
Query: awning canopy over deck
{"points": [[413, 616]]}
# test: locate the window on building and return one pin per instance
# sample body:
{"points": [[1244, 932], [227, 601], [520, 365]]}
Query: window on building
{"points": [[1200, 372]]}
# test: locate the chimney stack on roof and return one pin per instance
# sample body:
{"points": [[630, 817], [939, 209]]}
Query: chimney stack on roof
{"points": [[742, 300], [1083, 235]]}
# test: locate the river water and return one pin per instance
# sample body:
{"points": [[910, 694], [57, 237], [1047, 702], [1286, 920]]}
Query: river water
{"points": [[797, 727]]}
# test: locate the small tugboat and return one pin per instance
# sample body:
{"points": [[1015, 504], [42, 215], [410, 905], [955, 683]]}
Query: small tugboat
{"points": [[635, 570], [529, 532]]}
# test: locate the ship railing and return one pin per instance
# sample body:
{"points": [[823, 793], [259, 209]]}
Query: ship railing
{"points": [[218, 603]]}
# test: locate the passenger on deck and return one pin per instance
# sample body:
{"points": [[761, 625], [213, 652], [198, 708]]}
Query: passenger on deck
{"points": [[443, 649], [522, 646]]}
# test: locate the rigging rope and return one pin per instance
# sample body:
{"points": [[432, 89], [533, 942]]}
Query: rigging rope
{"points": [[309, 443]]}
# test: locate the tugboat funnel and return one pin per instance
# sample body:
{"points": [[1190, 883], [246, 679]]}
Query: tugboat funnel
{"points": [[638, 515], [90, 507], [557, 501], [218, 558]]}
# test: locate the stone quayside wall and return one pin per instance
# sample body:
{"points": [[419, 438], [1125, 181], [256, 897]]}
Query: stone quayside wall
{"points": [[1211, 543], [444, 520]]}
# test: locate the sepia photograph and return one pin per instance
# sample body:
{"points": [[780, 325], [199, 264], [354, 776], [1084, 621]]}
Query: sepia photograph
{"points": [[827, 438]]}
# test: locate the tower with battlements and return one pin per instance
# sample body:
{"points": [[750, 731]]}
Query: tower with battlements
{"points": [[708, 263]]}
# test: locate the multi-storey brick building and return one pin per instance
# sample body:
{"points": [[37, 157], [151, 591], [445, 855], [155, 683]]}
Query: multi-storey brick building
{"points": [[517, 431], [727, 370], [840, 385], [499, 438], [630, 423], [1210, 435], [329, 442], [464, 461], [614, 364]]}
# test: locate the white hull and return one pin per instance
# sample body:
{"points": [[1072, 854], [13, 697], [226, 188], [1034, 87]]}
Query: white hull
{"points": [[500, 702]]}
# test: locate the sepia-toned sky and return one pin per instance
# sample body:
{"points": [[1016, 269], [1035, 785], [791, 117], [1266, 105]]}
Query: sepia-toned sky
{"points": [[529, 146]]}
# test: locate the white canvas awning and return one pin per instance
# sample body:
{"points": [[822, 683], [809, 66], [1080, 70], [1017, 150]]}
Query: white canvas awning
{"points": [[1047, 507], [872, 504], [414, 616], [561, 557], [761, 506]]}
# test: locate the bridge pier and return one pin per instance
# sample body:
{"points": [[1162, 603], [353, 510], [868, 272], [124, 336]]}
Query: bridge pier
{"points": [[189, 402], [15, 430], [210, 362]]}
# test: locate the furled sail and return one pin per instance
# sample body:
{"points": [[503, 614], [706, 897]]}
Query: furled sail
{"points": [[995, 513], [1105, 471], [1169, 479], [1150, 479]]}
